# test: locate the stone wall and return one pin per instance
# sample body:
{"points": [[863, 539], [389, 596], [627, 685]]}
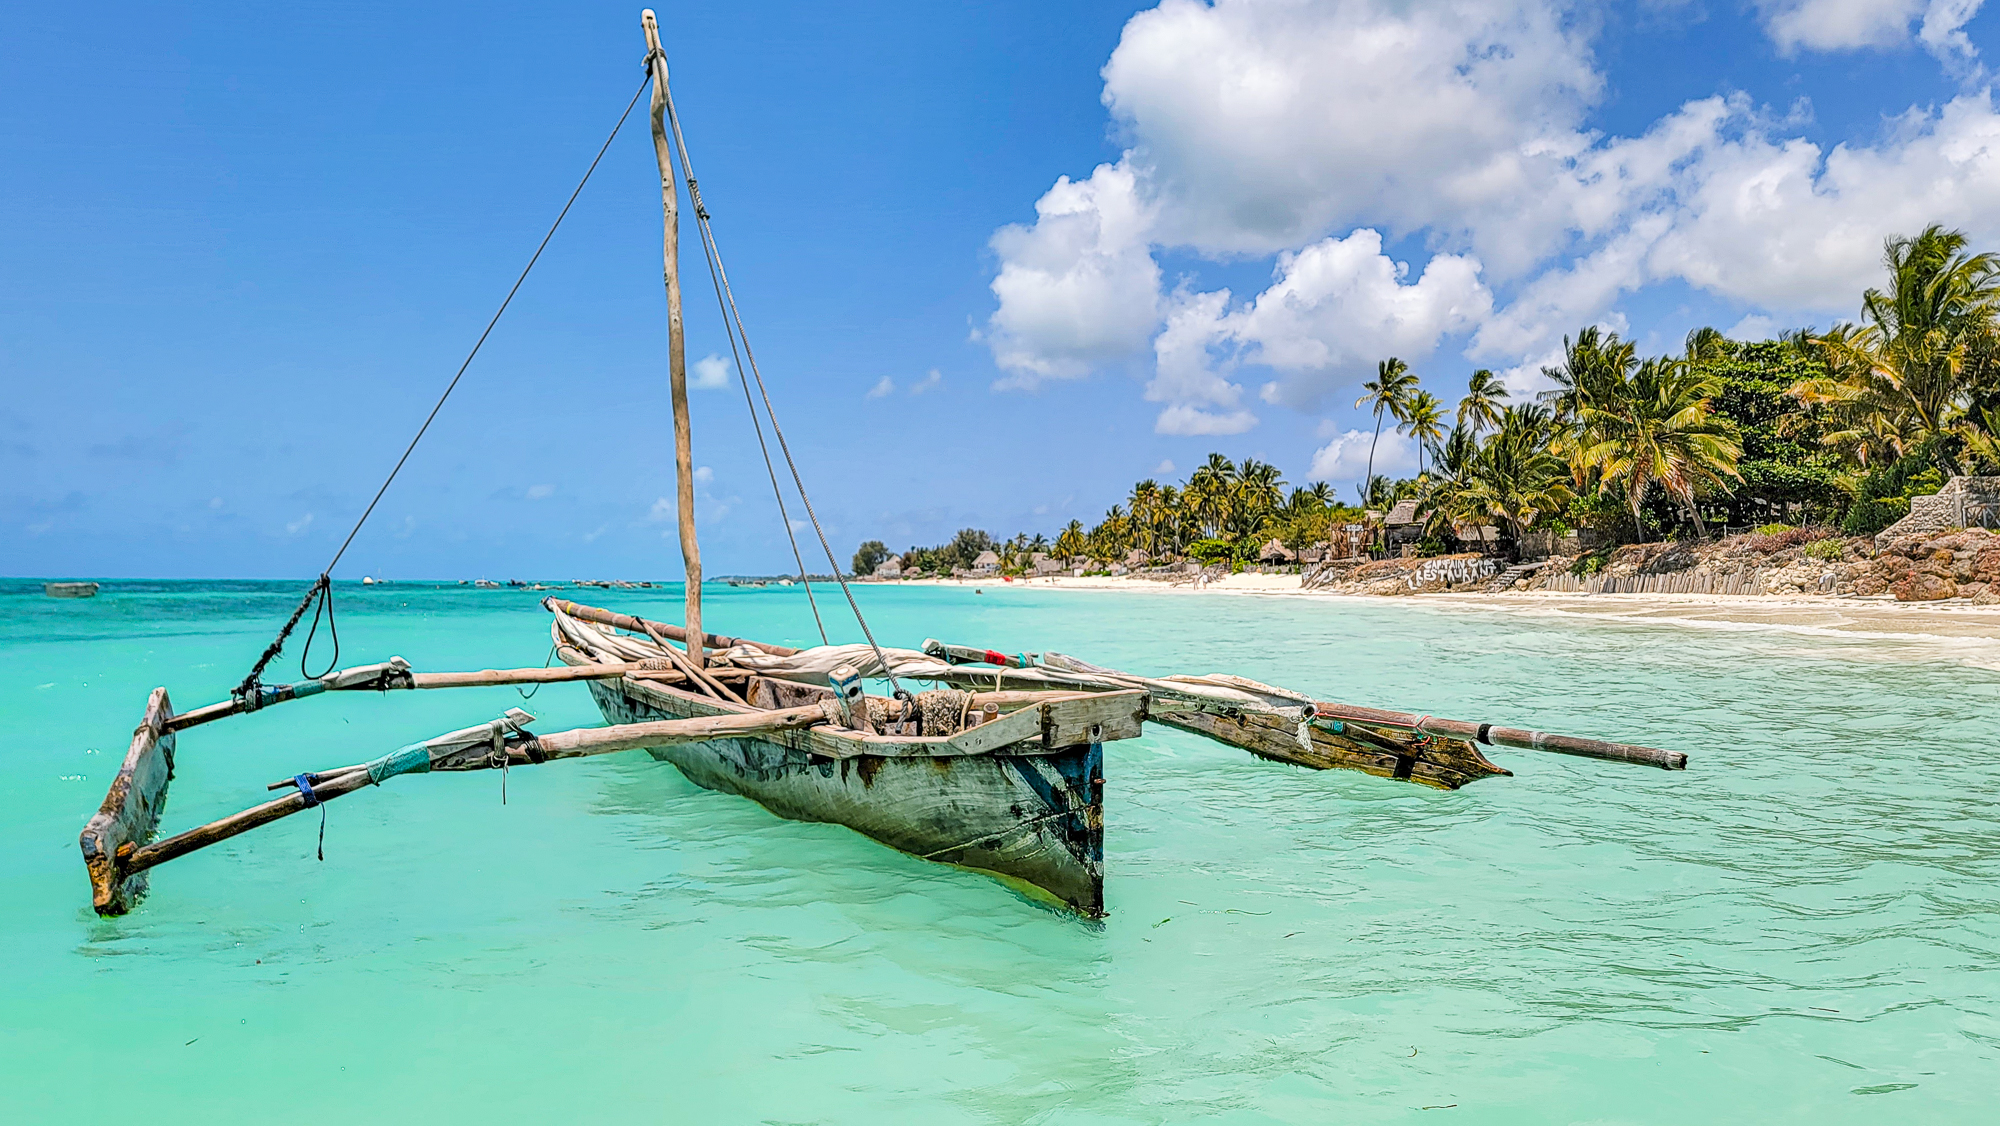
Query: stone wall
{"points": [[1963, 500]]}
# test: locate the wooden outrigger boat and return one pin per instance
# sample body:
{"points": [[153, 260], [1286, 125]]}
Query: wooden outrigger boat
{"points": [[998, 767]]}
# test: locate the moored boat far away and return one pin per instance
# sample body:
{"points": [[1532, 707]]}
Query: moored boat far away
{"points": [[70, 590], [998, 767]]}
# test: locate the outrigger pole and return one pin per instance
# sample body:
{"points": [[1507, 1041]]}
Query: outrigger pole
{"points": [[656, 64], [114, 844]]}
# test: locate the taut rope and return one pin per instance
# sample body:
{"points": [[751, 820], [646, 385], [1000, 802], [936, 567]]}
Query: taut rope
{"points": [[323, 587], [727, 298]]}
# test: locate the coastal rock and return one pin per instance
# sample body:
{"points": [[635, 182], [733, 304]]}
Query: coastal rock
{"points": [[1675, 557], [1802, 577], [1924, 587], [1870, 583], [1986, 565]]}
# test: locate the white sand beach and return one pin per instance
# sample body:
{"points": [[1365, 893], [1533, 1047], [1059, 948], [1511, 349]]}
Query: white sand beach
{"points": [[1878, 616]]}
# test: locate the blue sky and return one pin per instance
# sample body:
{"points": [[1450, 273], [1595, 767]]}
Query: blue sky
{"points": [[242, 253]]}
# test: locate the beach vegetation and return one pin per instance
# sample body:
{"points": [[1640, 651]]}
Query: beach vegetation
{"points": [[869, 556], [1809, 432]]}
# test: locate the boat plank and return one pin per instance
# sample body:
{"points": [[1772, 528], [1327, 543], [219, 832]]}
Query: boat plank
{"points": [[131, 810]]}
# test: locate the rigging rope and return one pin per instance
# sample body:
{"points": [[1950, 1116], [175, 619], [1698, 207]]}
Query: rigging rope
{"points": [[323, 587], [727, 297], [710, 253]]}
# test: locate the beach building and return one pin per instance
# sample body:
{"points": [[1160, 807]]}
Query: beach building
{"points": [[1401, 527], [1041, 564], [890, 568], [1276, 552], [1484, 537], [987, 563]]}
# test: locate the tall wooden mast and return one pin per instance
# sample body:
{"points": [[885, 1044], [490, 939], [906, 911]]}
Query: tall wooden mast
{"points": [[676, 344]]}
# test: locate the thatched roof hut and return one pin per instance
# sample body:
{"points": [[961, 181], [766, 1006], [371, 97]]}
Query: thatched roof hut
{"points": [[1276, 552]]}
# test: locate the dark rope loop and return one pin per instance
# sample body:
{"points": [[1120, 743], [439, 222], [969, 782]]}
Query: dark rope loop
{"points": [[326, 604], [248, 689], [323, 589], [530, 694]]}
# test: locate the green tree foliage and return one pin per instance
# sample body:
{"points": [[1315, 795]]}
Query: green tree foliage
{"points": [[1925, 347], [1842, 426], [1423, 419], [1480, 409], [1388, 392], [1655, 427], [868, 557], [1785, 460]]}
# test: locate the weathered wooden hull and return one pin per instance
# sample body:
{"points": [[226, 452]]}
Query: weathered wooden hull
{"points": [[1037, 818]]}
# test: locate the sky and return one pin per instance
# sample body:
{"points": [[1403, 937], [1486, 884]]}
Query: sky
{"points": [[998, 261]]}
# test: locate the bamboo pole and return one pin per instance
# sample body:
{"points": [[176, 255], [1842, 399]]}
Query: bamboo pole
{"points": [[491, 677], [1503, 736], [676, 341], [578, 743], [695, 673], [639, 625], [481, 679]]}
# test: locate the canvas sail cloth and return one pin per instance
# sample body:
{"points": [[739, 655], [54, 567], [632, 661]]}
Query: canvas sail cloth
{"points": [[1215, 692]]}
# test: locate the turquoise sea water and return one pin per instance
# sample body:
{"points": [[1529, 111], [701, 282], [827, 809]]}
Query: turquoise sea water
{"points": [[1800, 928]]}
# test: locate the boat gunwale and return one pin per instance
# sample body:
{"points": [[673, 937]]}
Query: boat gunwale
{"points": [[1027, 729]]}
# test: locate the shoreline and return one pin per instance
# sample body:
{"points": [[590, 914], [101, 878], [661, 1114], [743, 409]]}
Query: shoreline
{"points": [[1876, 617]]}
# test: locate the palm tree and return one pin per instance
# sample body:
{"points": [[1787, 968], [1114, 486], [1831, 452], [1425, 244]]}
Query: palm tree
{"points": [[1658, 428], [1706, 345], [1172, 526], [1259, 489], [1070, 543], [1593, 366], [1480, 408], [1388, 391], [1423, 419], [1905, 374], [1210, 495], [1144, 505], [1515, 476], [1111, 537]]}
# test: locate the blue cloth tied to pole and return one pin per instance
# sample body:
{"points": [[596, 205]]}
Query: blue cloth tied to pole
{"points": [[413, 759], [305, 784]]}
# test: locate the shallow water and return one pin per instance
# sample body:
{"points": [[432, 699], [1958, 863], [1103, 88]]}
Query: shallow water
{"points": [[1801, 927]]}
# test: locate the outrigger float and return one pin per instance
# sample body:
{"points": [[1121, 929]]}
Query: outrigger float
{"points": [[998, 767]]}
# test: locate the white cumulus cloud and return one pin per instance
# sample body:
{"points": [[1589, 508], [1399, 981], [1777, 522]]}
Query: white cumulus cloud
{"points": [[1425, 179], [1848, 25], [1077, 288], [1344, 459], [711, 373]]}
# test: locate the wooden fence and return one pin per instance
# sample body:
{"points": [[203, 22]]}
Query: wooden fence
{"points": [[1680, 582]]}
